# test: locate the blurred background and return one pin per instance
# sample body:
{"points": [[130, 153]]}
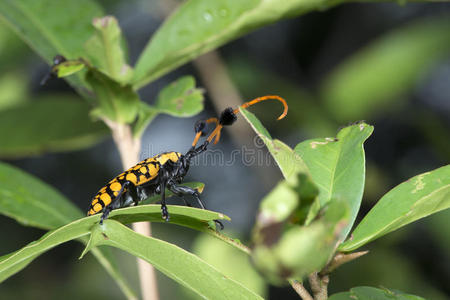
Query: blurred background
{"points": [[388, 64]]}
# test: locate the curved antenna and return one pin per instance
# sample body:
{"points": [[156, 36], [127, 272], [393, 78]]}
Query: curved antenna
{"points": [[228, 116], [263, 98]]}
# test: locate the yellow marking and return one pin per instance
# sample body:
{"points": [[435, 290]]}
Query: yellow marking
{"points": [[166, 156], [174, 156], [143, 170], [116, 193], [91, 212], [122, 177], [131, 177], [115, 186], [105, 198], [162, 159], [153, 170], [142, 178], [103, 189], [419, 184], [94, 201], [97, 207]]}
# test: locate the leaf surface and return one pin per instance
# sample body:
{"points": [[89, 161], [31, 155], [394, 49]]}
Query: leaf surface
{"points": [[337, 166], [51, 124], [420, 196]]}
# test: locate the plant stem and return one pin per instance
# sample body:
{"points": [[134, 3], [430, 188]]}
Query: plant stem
{"points": [[222, 91], [340, 259], [129, 148], [300, 289], [319, 286]]}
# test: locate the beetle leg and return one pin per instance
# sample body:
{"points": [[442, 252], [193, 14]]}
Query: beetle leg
{"points": [[164, 211], [185, 190], [133, 193], [184, 201], [116, 201]]}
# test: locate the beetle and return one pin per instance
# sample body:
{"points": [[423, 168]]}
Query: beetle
{"points": [[166, 170]]}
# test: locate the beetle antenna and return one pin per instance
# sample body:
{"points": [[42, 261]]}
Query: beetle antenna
{"points": [[228, 115]]}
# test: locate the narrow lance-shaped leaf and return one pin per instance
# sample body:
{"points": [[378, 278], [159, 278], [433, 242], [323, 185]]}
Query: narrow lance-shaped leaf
{"points": [[186, 216], [32, 202], [173, 261], [51, 124], [199, 26], [414, 199], [337, 167], [48, 26]]}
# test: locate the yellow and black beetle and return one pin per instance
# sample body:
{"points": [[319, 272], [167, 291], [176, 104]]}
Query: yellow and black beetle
{"points": [[165, 170]]}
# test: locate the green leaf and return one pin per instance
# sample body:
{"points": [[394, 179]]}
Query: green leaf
{"points": [[278, 205], [116, 102], [173, 261], [14, 89], [414, 199], [54, 123], [48, 26], [180, 98], [12, 48], [186, 216], [74, 230], [232, 263], [283, 251], [373, 79], [105, 49], [337, 166], [370, 293], [68, 67], [33, 203], [197, 27], [146, 114], [287, 160]]}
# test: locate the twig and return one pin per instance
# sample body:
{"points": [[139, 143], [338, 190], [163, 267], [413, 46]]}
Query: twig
{"points": [[129, 148], [319, 286], [300, 289], [340, 259], [222, 91]]}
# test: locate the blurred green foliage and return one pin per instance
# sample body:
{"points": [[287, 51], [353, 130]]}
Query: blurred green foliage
{"points": [[305, 228]]}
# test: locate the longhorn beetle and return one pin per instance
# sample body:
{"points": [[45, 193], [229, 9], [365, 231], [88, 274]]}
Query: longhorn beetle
{"points": [[165, 170]]}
